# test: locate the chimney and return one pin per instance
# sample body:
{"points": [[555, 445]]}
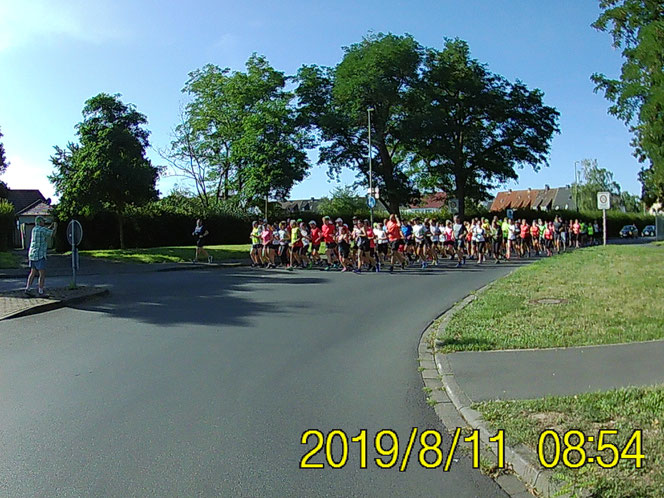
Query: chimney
{"points": [[510, 191], [546, 187], [528, 189]]}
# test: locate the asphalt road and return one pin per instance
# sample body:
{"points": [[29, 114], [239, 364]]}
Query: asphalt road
{"points": [[202, 383]]}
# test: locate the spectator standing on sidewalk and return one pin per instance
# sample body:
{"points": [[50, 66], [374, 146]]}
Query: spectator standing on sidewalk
{"points": [[37, 254]]}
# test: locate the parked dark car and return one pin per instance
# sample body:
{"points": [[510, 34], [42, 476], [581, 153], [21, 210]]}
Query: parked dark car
{"points": [[649, 231], [629, 231]]}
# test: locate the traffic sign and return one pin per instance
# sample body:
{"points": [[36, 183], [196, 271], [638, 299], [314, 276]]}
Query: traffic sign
{"points": [[510, 214], [603, 200], [74, 233], [371, 202], [453, 206]]}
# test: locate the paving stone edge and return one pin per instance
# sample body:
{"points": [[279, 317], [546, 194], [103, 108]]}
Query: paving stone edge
{"points": [[522, 460], [42, 308]]}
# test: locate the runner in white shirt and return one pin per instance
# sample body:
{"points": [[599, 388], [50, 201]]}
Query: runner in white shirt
{"points": [[419, 234], [479, 236], [436, 234], [381, 243]]}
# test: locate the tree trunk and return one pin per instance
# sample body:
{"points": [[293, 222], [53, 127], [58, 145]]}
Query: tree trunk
{"points": [[387, 171], [460, 182], [226, 184], [121, 228]]}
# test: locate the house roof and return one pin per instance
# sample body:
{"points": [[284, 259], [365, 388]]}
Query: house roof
{"points": [[21, 199], [431, 201], [300, 204], [514, 199], [40, 208], [544, 198], [547, 198]]}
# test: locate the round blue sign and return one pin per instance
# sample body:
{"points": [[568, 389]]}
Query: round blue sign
{"points": [[371, 202]]}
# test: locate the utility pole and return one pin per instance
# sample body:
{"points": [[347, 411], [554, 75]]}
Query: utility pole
{"points": [[371, 192], [576, 187]]}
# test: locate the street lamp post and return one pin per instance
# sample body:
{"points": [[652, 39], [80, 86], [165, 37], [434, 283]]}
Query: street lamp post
{"points": [[369, 109], [576, 187]]}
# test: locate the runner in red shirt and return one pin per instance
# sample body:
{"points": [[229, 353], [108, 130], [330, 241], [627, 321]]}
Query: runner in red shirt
{"points": [[328, 232], [316, 238], [525, 238], [394, 236]]}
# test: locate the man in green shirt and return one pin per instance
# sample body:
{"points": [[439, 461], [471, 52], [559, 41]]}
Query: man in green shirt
{"points": [[37, 254]]}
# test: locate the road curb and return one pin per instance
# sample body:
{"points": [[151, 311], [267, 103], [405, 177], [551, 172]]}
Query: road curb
{"points": [[43, 308], [457, 410]]}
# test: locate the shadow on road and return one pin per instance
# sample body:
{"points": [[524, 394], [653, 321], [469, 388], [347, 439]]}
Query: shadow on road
{"points": [[222, 298]]}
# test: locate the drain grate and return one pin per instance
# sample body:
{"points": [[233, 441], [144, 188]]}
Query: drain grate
{"points": [[549, 300]]}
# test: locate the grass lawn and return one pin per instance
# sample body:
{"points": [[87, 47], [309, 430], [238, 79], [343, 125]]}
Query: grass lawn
{"points": [[176, 254], [9, 260], [623, 410], [610, 295]]}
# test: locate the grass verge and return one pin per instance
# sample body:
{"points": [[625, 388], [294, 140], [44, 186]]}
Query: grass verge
{"points": [[9, 260], [174, 254], [608, 295], [621, 410]]}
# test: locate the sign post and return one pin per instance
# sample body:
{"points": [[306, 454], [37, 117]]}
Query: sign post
{"points": [[74, 236], [604, 203], [453, 206], [510, 214]]}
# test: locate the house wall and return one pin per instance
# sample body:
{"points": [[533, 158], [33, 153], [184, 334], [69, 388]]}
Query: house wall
{"points": [[23, 233]]}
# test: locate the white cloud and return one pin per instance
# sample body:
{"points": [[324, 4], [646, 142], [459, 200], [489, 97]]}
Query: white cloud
{"points": [[27, 21]]}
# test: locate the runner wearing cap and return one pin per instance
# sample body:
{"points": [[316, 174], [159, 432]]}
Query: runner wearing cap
{"points": [[380, 235]]}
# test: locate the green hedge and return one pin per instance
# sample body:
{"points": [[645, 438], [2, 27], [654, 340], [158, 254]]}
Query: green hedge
{"points": [[7, 221], [146, 229], [615, 220]]}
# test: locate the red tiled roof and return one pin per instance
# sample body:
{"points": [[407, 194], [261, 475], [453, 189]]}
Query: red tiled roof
{"points": [[514, 199], [431, 201]]}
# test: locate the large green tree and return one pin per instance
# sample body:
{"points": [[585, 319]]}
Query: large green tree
{"points": [[637, 28], [376, 73], [108, 168], [239, 137], [593, 179], [470, 128]]}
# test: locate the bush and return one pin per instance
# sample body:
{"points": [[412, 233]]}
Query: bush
{"points": [[6, 224], [154, 226]]}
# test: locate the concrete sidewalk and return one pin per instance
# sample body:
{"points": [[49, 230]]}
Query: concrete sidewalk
{"points": [[16, 303], [527, 374]]}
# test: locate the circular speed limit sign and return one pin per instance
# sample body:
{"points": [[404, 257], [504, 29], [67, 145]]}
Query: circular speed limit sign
{"points": [[74, 233], [603, 200]]}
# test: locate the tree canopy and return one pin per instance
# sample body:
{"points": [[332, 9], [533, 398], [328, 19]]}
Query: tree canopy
{"points": [[239, 136], [470, 128], [440, 119], [637, 28], [377, 74], [108, 168]]}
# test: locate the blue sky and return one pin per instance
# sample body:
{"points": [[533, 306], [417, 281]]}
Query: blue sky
{"points": [[55, 54]]}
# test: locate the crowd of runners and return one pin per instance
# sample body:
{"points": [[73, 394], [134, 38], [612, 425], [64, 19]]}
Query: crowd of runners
{"points": [[422, 241]]}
